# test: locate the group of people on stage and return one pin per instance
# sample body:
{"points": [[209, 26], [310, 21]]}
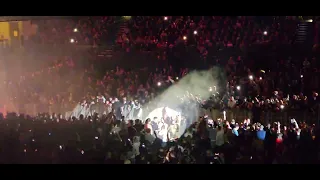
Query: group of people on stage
{"points": [[102, 106], [166, 126]]}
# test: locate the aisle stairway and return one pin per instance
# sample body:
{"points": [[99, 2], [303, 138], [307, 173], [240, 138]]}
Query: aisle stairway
{"points": [[122, 28], [113, 30], [106, 52], [117, 30], [304, 33]]}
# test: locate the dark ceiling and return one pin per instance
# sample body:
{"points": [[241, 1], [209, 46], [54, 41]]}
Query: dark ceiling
{"points": [[19, 18]]}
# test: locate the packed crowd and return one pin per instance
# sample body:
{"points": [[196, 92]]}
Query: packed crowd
{"points": [[151, 32], [80, 30], [204, 32], [240, 87], [108, 133], [45, 139], [105, 139]]}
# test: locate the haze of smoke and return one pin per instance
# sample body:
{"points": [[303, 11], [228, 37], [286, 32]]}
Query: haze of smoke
{"points": [[196, 83], [18, 67]]}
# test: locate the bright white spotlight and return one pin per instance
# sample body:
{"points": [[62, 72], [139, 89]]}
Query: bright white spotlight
{"points": [[250, 77], [159, 83], [171, 125], [281, 106], [71, 40], [184, 37], [75, 30], [265, 33], [165, 18], [238, 88], [195, 32], [193, 85]]}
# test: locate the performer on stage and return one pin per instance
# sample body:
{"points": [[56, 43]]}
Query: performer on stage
{"points": [[139, 110], [163, 130], [107, 107], [164, 113], [135, 112], [100, 104], [117, 107], [84, 109], [77, 111], [91, 108], [129, 111], [125, 109]]}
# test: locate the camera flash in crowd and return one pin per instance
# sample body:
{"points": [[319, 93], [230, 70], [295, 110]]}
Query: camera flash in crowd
{"points": [[75, 30], [238, 88], [210, 89], [159, 83], [301, 76], [250, 77], [60, 147], [265, 33], [281, 106], [260, 78], [71, 40], [96, 137], [82, 152], [165, 18], [195, 32], [177, 78], [184, 37]]}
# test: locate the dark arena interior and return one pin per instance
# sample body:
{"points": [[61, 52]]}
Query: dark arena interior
{"points": [[159, 90]]}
